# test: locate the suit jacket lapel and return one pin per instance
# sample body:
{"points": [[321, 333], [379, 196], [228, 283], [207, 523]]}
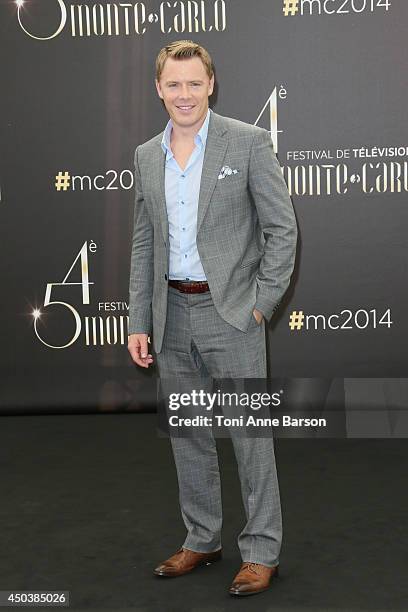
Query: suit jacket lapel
{"points": [[160, 165], [215, 150]]}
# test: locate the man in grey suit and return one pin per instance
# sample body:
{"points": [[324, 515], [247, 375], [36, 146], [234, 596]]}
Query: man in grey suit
{"points": [[213, 250]]}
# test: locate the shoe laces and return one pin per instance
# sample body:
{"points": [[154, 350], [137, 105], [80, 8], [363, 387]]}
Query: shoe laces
{"points": [[252, 567]]}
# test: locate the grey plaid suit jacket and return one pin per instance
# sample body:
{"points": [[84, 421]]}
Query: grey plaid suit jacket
{"points": [[246, 229]]}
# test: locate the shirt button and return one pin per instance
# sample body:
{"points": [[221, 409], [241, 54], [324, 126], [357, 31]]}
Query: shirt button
{"points": [[183, 228], [185, 255], [181, 202], [183, 176]]}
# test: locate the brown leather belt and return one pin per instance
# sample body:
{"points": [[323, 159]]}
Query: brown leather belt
{"points": [[190, 286]]}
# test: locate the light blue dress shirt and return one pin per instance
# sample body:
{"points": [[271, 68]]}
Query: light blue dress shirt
{"points": [[182, 189]]}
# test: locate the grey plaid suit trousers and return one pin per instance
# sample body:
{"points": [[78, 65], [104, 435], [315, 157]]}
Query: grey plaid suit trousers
{"points": [[200, 345]]}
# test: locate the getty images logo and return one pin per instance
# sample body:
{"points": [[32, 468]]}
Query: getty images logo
{"points": [[126, 18]]}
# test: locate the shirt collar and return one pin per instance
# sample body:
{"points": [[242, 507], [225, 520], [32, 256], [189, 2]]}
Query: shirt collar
{"points": [[200, 138]]}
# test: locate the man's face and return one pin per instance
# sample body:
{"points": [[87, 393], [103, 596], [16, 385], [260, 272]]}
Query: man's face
{"points": [[184, 87]]}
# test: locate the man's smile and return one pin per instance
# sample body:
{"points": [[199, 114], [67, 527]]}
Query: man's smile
{"points": [[185, 108]]}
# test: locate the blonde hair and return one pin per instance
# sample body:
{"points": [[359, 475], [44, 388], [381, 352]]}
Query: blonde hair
{"points": [[183, 49]]}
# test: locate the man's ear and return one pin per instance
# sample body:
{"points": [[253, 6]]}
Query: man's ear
{"points": [[158, 88], [211, 85]]}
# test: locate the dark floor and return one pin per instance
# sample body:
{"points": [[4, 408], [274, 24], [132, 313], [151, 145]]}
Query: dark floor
{"points": [[89, 505]]}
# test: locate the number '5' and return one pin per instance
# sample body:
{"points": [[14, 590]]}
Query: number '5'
{"points": [[83, 254]]}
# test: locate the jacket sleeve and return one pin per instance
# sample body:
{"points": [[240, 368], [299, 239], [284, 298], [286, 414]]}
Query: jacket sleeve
{"points": [[141, 263], [277, 220]]}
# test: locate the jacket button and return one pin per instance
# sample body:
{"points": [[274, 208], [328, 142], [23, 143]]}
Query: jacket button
{"points": [[165, 277]]}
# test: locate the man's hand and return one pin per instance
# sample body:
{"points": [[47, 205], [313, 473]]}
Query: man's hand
{"points": [[258, 316], [137, 347]]}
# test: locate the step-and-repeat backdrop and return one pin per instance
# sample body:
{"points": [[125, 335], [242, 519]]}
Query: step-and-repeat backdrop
{"points": [[327, 78]]}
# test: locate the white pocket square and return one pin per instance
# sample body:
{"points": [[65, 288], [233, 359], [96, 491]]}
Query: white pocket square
{"points": [[226, 170]]}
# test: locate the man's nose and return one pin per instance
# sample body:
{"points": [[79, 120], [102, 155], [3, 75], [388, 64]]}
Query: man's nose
{"points": [[185, 93]]}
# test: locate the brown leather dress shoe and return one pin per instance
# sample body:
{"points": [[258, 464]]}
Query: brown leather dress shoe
{"points": [[253, 578], [185, 560]]}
